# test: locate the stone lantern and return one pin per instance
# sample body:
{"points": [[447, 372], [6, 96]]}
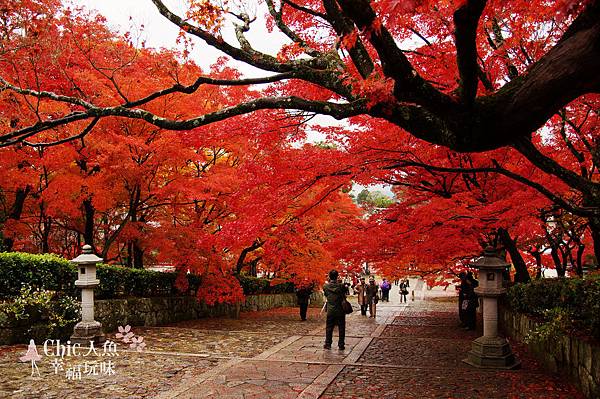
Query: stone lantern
{"points": [[490, 350], [87, 329]]}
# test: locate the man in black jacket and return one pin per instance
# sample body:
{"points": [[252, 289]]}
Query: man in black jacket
{"points": [[303, 293], [335, 294]]}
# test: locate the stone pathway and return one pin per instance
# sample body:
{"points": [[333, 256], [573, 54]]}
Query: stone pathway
{"points": [[412, 350]]}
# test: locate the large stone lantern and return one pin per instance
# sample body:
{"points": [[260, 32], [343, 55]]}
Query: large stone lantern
{"points": [[490, 350], [87, 329]]}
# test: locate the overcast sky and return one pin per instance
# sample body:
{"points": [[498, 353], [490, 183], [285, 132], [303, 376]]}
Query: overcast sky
{"points": [[131, 15]]}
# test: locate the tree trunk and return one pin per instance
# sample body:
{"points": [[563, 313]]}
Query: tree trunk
{"points": [[594, 226], [538, 261], [242, 258], [522, 275], [557, 263], [579, 260], [45, 244], [129, 262], [88, 232], [138, 255], [15, 214]]}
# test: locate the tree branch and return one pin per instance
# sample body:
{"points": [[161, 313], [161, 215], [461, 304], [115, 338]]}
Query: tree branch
{"points": [[466, 20], [574, 209]]}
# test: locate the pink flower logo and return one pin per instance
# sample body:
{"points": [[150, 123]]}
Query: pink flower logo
{"points": [[124, 334], [128, 337], [137, 343]]}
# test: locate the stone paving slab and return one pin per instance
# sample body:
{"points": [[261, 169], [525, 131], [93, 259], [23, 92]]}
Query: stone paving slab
{"points": [[425, 321], [433, 314], [382, 382], [412, 352], [356, 326], [278, 321], [212, 343], [395, 331], [259, 380], [310, 349], [137, 375], [408, 351]]}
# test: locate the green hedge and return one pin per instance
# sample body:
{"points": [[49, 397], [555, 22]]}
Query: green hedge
{"points": [[53, 273], [257, 285], [46, 271], [579, 298], [37, 314]]}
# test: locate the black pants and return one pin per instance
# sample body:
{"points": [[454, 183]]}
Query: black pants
{"points": [[303, 309], [470, 315], [363, 309], [461, 312], [332, 321]]}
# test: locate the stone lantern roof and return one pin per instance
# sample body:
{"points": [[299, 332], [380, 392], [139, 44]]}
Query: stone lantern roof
{"points": [[490, 261], [87, 257]]}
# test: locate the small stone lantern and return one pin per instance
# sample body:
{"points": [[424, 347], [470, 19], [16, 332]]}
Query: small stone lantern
{"points": [[490, 350], [87, 329]]}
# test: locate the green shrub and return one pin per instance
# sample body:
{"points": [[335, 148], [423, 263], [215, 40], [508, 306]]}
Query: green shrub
{"points": [[282, 288], [53, 273], [557, 324], [253, 285], [49, 272], [257, 285], [574, 299], [40, 314]]}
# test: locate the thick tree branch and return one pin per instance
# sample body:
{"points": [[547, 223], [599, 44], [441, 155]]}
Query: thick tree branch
{"points": [[343, 26], [567, 71], [304, 9], [466, 20], [336, 110], [409, 85], [78, 136], [550, 166], [283, 27]]}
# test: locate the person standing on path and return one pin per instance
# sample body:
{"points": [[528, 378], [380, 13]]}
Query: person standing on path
{"points": [[473, 302], [334, 292], [303, 293], [360, 290], [470, 304], [385, 290], [403, 291], [462, 288], [372, 297]]}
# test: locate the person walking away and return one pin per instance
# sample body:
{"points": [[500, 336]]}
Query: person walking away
{"points": [[360, 290], [385, 290], [473, 301], [372, 298], [347, 289], [403, 291], [334, 292], [462, 289], [470, 304], [303, 294]]}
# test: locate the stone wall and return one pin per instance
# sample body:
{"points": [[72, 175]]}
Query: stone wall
{"points": [[146, 312], [569, 356], [163, 310]]}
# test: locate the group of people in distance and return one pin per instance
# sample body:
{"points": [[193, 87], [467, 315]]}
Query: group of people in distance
{"points": [[368, 296], [335, 292]]}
